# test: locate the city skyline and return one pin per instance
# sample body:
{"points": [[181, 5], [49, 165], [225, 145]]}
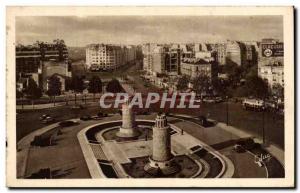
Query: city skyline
{"points": [[143, 29]]}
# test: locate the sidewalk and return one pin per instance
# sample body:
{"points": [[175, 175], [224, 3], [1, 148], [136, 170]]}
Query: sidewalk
{"points": [[51, 105], [40, 106]]}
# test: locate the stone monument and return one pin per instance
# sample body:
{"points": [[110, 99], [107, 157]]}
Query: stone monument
{"points": [[128, 128], [161, 163]]}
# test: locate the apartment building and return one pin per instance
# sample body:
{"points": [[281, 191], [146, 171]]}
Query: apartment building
{"points": [[147, 50], [234, 52], [196, 66], [271, 51], [108, 56], [33, 60], [220, 53], [273, 74]]}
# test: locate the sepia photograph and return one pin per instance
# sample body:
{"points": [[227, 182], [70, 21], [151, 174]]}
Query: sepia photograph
{"points": [[150, 97]]}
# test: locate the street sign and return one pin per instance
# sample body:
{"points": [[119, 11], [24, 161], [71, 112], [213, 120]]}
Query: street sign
{"points": [[272, 50]]}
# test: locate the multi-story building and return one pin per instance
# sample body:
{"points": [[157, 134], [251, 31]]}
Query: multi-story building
{"points": [[56, 51], [273, 74], [32, 60], [129, 54], [195, 67], [159, 56], [108, 57], [271, 61], [187, 51], [220, 53], [250, 55], [172, 61], [147, 50], [270, 52], [233, 53], [162, 59], [28, 59]]}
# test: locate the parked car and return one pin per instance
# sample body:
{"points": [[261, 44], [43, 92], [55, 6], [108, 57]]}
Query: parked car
{"points": [[238, 148], [247, 144], [218, 100], [86, 118], [78, 107], [48, 120], [208, 100], [213, 100], [101, 114], [44, 116], [67, 123]]}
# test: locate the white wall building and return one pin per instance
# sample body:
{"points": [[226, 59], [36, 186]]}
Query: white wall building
{"points": [[272, 74], [108, 57]]}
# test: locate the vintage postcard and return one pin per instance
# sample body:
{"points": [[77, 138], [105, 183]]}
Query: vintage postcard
{"points": [[150, 97]]}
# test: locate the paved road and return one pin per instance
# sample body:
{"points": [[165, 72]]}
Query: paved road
{"points": [[67, 160]]}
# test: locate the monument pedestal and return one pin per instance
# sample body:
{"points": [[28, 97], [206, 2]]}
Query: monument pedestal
{"points": [[161, 168], [128, 128], [161, 163], [127, 133]]}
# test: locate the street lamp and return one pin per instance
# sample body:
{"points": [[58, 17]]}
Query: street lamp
{"points": [[263, 122], [227, 115]]}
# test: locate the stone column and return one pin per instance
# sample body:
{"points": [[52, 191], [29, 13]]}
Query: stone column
{"points": [[128, 128], [161, 163], [161, 140]]}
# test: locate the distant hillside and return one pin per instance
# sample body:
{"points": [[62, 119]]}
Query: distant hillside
{"points": [[76, 53]]}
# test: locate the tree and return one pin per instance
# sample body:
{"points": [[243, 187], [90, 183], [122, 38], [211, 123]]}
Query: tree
{"points": [[114, 86], [278, 90], [234, 72], [61, 46], [183, 82], [252, 71], [220, 86], [95, 85], [68, 84], [202, 84], [257, 87], [54, 87], [77, 85], [32, 91]]}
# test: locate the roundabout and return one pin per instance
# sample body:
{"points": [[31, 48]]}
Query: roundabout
{"points": [[91, 149], [148, 149]]}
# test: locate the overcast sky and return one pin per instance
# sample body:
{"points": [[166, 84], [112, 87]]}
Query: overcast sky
{"points": [[80, 31]]}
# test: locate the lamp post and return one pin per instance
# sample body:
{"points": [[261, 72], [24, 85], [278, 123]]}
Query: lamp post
{"points": [[263, 122], [227, 115]]}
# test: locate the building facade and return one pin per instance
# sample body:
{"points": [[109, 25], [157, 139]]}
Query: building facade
{"points": [[28, 59], [159, 56], [270, 51], [172, 61], [162, 59], [31, 60], [271, 61], [108, 57], [233, 53], [147, 50], [195, 67], [272, 74], [220, 53]]}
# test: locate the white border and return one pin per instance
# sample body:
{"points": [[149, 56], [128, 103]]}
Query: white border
{"points": [[289, 93]]}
